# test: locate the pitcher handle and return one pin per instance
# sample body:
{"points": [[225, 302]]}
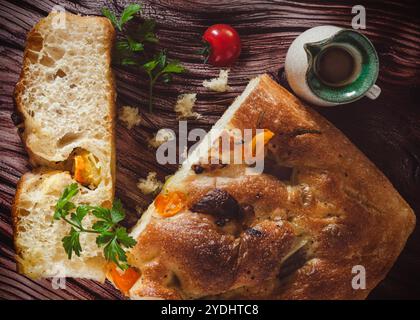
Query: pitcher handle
{"points": [[373, 92]]}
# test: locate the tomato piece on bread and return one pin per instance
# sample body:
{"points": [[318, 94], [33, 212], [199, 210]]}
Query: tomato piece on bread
{"points": [[123, 280], [169, 204]]}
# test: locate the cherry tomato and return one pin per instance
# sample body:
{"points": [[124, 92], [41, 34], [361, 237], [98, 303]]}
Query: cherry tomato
{"points": [[223, 44]]}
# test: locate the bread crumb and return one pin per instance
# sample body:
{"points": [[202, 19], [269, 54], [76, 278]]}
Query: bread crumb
{"points": [[150, 184], [130, 116], [218, 84], [184, 106], [163, 135]]}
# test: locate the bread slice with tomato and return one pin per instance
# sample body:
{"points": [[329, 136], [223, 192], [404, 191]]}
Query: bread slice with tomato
{"points": [[66, 99], [294, 231]]}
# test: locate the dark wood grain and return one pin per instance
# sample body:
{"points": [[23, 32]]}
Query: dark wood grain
{"points": [[387, 130]]}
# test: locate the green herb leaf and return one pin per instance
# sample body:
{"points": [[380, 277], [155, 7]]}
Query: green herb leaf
{"points": [[117, 212], [134, 45], [102, 213], [160, 67], [146, 31], [113, 252], [129, 62], [122, 45], [157, 68], [150, 66], [111, 16], [58, 213], [68, 193], [102, 226], [129, 13], [81, 212], [71, 243], [69, 206], [173, 67], [64, 205], [162, 59], [104, 238], [109, 234], [124, 238]]}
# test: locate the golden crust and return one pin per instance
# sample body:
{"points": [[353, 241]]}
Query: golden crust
{"points": [[15, 220], [336, 211]]}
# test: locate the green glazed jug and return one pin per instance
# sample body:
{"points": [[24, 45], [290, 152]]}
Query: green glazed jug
{"points": [[328, 66]]}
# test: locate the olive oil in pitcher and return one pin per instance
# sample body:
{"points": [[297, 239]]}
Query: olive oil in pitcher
{"points": [[336, 66]]}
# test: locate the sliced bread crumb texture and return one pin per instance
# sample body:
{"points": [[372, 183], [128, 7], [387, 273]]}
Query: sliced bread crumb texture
{"points": [[65, 93], [38, 237], [66, 98]]}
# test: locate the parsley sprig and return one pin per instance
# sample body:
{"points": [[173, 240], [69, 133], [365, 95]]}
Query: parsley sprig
{"points": [[132, 48], [160, 68], [110, 234], [128, 14]]}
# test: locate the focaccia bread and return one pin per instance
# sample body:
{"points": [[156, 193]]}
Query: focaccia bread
{"points": [[294, 231], [66, 99]]}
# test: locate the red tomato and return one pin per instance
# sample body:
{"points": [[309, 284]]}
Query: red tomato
{"points": [[223, 43]]}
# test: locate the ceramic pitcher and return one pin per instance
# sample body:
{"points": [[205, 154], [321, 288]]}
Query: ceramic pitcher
{"points": [[302, 66]]}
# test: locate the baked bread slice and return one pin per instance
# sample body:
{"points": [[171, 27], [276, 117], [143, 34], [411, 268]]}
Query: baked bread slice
{"points": [[66, 99], [294, 231]]}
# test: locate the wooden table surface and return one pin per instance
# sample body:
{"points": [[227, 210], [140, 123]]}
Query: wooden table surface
{"points": [[387, 130]]}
